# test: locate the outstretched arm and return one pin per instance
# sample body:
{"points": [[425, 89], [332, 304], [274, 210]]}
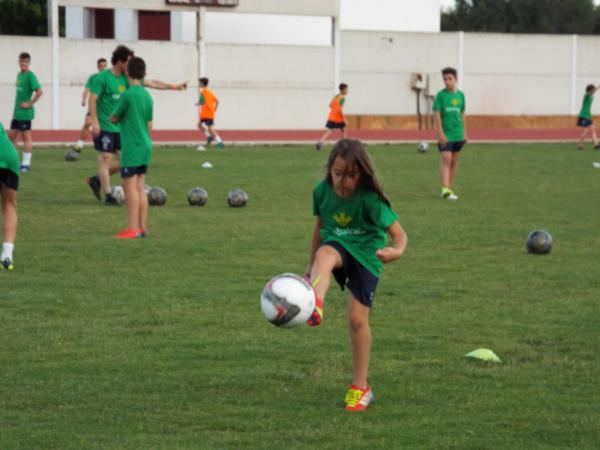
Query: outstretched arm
{"points": [[161, 85], [399, 241]]}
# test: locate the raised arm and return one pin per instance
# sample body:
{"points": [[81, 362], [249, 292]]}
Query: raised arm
{"points": [[161, 85], [399, 241]]}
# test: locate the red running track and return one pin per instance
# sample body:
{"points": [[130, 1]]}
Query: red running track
{"points": [[290, 136]]}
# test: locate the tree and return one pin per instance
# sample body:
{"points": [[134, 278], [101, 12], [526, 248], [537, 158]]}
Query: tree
{"points": [[523, 16], [27, 18]]}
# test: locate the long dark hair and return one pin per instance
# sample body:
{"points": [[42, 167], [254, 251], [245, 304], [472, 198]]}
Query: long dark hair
{"points": [[353, 152]]}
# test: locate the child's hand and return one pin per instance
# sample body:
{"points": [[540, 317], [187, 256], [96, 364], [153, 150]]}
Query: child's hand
{"points": [[387, 254], [443, 140], [25, 105], [466, 138]]}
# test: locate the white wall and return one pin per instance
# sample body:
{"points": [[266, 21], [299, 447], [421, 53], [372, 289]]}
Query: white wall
{"points": [[391, 15]]}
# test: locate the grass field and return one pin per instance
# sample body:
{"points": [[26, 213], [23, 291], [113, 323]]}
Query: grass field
{"points": [[160, 343]]}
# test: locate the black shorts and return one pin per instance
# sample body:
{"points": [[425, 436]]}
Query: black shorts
{"points": [[128, 172], [335, 125], [9, 179], [583, 122], [207, 122], [451, 146], [107, 142], [355, 276], [20, 125]]}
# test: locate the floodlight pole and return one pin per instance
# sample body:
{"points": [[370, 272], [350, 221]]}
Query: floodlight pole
{"points": [[337, 49], [573, 74], [461, 59], [201, 27], [53, 31]]}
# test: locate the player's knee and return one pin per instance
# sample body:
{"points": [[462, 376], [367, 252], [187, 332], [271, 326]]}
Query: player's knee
{"points": [[357, 323], [327, 257]]}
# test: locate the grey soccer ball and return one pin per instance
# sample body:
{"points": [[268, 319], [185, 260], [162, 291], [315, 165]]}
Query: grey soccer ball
{"points": [[237, 198], [157, 196], [422, 147], [71, 155], [197, 197], [147, 188], [118, 194], [539, 242]]}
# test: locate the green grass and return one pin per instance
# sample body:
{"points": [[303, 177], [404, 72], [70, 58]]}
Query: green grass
{"points": [[160, 343]]}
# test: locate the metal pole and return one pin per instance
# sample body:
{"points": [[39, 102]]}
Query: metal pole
{"points": [[53, 31], [574, 75], [201, 26], [337, 49], [461, 59]]}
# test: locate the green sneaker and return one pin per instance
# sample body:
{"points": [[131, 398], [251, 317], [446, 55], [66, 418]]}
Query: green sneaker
{"points": [[447, 194], [7, 264]]}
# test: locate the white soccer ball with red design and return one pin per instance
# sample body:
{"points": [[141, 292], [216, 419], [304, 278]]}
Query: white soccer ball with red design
{"points": [[288, 300]]}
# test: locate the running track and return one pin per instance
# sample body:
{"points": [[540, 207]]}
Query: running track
{"points": [[59, 137]]}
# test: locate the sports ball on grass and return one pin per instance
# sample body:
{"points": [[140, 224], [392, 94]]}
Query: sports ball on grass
{"points": [[539, 242], [157, 196], [288, 300], [422, 147], [71, 155], [237, 198], [118, 194], [197, 197]]}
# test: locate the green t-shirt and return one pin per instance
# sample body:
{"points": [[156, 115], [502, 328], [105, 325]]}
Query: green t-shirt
{"points": [[109, 88], [586, 107], [9, 158], [90, 80], [135, 111], [27, 83], [451, 105], [359, 223]]}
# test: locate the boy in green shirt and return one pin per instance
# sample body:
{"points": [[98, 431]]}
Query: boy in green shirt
{"points": [[9, 185], [27, 86], [87, 122], [585, 117], [134, 113], [449, 107]]}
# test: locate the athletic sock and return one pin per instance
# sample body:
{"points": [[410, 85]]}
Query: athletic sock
{"points": [[26, 159], [79, 143], [7, 250], [206, 132], [218, 139]]}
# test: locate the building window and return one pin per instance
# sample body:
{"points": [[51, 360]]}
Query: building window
{"points": [[104, 23], [154, 25]]}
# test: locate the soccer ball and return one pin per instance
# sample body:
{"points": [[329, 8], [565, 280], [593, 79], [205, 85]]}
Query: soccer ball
{"points": [[288, 300], [157, 196], [422, 147], [147, 188], [71, 155], [197, 197], [237, 198], [118, 194], [539, 242]]}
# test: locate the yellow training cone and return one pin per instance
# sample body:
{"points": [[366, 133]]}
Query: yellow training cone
{"points": [[484, 354]]}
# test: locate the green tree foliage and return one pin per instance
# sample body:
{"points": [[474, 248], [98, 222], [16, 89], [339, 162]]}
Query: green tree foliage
{"points": [[523, 16], [26, 18]]}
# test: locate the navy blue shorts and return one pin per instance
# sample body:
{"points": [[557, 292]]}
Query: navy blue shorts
{"points": [[9, 179], [207, 122], [335, 125], [20, 125], [451, 146], [128, 172], [355, 276], [583, 122], [107, 142]]}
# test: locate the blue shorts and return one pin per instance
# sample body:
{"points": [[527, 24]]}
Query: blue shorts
{"points": [[583, 122], [335, 125], [107, 142], [9, 179], [207, 122], [128, 172], [20, 125], [451, 146], [355, 276]]}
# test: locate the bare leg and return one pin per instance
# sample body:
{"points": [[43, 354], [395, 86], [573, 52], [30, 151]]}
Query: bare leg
{"points": [[445, 163], [9, 212], [326, 260], [104, 164], [594, 137], [12, 135], [584, 134], [325, 136], [130, 186], [453, 167], [143, 202], [344, 133], [27, 140], [360, 337]]}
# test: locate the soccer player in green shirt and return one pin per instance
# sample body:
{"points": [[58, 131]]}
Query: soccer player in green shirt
{"points": [[29, 92], [106, 90], [585, 117], [354, 220], [87, 122], [9, 185], [449, 107], [134, 113]]}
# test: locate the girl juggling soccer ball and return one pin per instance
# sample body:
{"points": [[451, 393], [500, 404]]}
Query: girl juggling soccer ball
{"points": [[350, 242]]}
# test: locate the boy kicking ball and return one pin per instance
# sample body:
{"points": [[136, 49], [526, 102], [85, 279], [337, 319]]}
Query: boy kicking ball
{"points": [[134, 112], [449, 107], [585, 117], [9, 184]]}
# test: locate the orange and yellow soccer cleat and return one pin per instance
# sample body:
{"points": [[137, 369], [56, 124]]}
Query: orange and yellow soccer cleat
{"points": [[358, 399], [129, 234], [317, 316]]}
